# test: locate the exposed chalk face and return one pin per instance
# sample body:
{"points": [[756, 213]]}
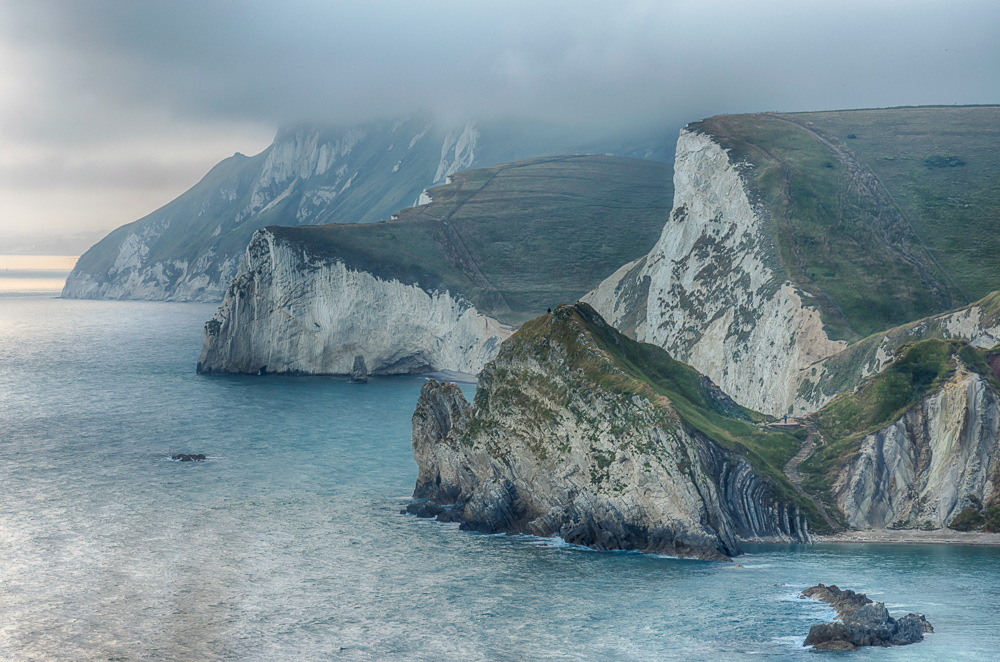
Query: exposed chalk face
{"points": [[923, 467], [296, 314], [309, 175], [707, 293]]}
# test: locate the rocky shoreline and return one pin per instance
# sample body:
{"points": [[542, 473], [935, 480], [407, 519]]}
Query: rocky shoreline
{"points": [[565, 438], [911, 537]]}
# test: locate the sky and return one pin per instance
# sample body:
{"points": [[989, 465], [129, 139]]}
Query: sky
{"points": [[110, 109]]}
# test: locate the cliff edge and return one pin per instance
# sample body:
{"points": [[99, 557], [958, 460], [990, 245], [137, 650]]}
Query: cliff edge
{"points": [[786, 245]]}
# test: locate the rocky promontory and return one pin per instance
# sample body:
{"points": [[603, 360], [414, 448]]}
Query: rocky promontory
{"points": [[579, 432], [862, 622]]}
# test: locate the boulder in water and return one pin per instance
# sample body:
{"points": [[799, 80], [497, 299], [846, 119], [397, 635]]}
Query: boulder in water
{"points": [[359, 373], [864, 623]]}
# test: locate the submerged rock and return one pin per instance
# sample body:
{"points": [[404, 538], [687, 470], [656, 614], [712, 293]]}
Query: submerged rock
{"points": [[184, 457], [424, 509], [359, 373], [864, 623]]}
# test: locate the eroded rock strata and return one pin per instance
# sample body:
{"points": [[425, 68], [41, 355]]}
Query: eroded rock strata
{"points": [[580, 432], [924, 468]]}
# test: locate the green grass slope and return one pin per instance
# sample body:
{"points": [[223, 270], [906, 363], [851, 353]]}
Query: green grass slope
{"points": [[941, 166], [875, 242], [516, 238], [844, 371]]}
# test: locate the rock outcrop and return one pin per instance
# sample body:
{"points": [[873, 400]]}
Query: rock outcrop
{"points": [[289, 312], [185, 457], [579, 432], [923, 469], [863, 622], [359, 372]]}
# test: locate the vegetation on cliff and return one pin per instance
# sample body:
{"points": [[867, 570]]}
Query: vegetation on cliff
{"points": [[844, 371], [606, 361], [918, 369]]}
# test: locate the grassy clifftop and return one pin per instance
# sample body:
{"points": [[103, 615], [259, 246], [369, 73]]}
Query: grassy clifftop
{"points": [[516, 238], [881, 216], [941, 166]]}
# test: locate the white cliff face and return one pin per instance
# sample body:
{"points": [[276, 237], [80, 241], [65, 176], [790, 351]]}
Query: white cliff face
{"points": [[457, 151], [309, 175], [290, 313], [713, 300], [709, 294], [922, 468]]}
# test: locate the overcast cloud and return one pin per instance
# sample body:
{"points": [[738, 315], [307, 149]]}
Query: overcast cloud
{"points": [[110, 109]]}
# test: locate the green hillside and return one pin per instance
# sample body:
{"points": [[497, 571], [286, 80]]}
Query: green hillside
{"points": [[941, 166], [514, 239], [876, 242]]}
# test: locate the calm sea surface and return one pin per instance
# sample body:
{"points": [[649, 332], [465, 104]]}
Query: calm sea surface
{"points": [[287, 544]]}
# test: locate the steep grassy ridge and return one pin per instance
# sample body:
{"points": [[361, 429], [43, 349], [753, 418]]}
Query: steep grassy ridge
{"points": [[514, 239], [838, 235], [844, 371]]}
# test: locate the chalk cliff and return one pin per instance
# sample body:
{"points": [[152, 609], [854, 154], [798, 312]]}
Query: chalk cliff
{"points": [[289, 312], [711, 291], [579, 432], [311, 174], [784, 272]]}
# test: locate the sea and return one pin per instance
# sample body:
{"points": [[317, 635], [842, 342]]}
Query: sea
{"points": [[288, 542]]}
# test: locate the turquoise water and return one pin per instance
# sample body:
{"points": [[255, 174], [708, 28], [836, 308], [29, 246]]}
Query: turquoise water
{"points": [[287, 544]]}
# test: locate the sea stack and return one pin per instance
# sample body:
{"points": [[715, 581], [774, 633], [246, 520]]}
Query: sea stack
{"points": [[359, 373]]}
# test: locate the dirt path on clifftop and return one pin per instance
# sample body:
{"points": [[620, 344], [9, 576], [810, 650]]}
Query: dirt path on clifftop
{"points": [[889, 219], [792, 471]]}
